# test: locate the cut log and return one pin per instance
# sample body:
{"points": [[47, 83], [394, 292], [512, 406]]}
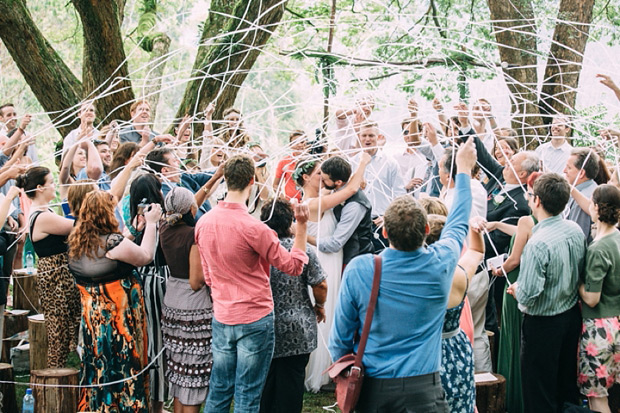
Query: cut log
{"points": [[25, 295], [50, 398], [8, 403], [13, 324], [38, 343], [491, 395]]}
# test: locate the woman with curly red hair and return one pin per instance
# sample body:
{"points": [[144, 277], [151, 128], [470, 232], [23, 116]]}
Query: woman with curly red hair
{"points": [[113, 315]]}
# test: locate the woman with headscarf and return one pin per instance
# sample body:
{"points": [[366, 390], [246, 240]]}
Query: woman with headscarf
{"points": [[187, 310]]}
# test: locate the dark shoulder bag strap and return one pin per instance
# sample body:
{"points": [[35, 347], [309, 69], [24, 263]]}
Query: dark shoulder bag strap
{"points": [[372, 303]]}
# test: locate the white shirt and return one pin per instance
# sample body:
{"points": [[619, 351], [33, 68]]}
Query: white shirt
{"points": [[554, 160], [478, 196], [345, 137], [71, 138], [408, 160], [383, 181]]}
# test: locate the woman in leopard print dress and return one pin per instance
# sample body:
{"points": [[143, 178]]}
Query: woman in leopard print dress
{"points": [[60, 299]]}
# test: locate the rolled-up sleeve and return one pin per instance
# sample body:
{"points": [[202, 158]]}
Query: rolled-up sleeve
{"points": [[352, 215], [268, 246]]}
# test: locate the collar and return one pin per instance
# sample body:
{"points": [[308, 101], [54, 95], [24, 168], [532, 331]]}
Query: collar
{"points": [[585, 184], [509, 187], [547, 222], [232, 205]]}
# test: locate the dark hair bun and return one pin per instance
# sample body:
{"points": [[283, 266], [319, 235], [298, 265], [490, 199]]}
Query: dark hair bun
{"points": [[21, 181]]}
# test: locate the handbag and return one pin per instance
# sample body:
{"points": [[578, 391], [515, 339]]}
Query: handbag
{"points": [[348, 371]]}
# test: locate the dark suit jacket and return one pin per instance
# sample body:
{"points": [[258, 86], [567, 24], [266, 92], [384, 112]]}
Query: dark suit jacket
{"points": [[513, 206]]}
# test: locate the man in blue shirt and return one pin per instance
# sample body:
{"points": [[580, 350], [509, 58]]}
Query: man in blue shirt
{"points": [[403, 352], [167, 166]]}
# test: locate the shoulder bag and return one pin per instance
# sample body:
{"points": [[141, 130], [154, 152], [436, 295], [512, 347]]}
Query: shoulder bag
{"points": [[348, 371]]}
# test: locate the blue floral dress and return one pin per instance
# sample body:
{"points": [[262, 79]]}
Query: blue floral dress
{"points": [[457, 363]]}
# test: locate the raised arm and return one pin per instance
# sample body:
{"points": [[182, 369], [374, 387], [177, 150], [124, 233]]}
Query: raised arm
{"points": [[458, 219], [484, 158], [524, 231], [607, 81], [94, 166], [139, 255], [10, 145], [582, 200], [5, 204], [329, 201], [209, 187], [120, 182]]}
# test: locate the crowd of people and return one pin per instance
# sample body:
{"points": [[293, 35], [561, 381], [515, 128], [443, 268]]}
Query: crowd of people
{"points": [[200, 269]]}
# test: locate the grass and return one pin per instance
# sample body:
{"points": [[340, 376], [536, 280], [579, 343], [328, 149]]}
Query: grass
{"points": [[313, 402]]}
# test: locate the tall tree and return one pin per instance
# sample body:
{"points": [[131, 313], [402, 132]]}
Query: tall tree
{"points": [[104, 69], [559, 91], [223, 62], [515, 32]]}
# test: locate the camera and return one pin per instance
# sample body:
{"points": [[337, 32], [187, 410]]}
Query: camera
{"points": [[142, 206]]}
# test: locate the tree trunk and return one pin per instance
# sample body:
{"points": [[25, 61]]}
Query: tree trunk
{"points": [[52, 82], [559, 91], [221, 67], [515, 32], [105, 71], [157, 64]]}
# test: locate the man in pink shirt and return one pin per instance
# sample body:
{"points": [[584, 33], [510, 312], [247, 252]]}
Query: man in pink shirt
{"points": [[236, 251]]}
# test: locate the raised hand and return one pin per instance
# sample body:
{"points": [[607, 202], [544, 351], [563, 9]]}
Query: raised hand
{"points": [[25, 122], [607, 81], [412, 107], [209, 111], [466, 157], [437, 105]]}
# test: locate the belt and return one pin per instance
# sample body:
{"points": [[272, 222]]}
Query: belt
{"points": [[450, 334]]}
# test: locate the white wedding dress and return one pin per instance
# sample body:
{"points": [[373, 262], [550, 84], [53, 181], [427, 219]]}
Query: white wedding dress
{"points": [[332, 266]]}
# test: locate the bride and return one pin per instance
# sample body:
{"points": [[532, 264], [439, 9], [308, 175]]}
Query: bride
{"points": [[321, 224]]}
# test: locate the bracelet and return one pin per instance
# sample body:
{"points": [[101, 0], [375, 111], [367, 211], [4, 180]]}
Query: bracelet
{"points": [[205, 190], [322, 305]]}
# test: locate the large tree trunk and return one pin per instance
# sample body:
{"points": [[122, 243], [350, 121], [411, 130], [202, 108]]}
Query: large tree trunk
{"points": [[157, 64], [105, 70], [52, 82], [570, 36], [223, 63], [515, 32]]}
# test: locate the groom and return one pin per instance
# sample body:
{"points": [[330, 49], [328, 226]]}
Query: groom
{"points": [[353, 232]]}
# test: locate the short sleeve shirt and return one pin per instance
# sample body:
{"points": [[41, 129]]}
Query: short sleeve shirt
{"points": [[602, 275], [295, 320]]}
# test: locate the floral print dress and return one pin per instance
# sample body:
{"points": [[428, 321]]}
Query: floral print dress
{"points": [[457, 363]]}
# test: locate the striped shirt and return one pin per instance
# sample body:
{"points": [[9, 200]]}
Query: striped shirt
{"points": [[551, 264]]}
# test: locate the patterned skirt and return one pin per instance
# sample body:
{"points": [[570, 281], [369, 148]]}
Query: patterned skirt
{"points": [[115, 348], [60, 301], [186, 328], [153, 279]]}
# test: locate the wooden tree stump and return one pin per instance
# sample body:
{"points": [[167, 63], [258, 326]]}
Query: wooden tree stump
{"points": [[13, 324], [491, 395], [8, 404], [25, 294], [49, 398], [38, 343]]}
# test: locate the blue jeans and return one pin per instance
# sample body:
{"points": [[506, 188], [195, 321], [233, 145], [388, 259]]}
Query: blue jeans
{"points": [[241, 358]]}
